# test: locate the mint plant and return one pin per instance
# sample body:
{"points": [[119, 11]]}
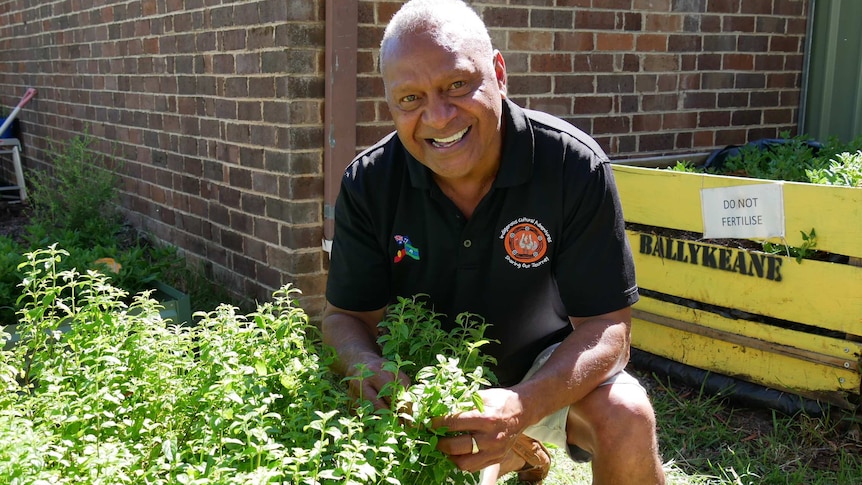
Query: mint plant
{"points": [[843, 169], [100, 389]]}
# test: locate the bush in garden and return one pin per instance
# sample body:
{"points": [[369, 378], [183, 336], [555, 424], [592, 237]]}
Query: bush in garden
{"points": [[73, 205], [103, 391], [78, 193]]}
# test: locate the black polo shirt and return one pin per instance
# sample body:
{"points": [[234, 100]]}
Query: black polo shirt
{"points": [[547, 241]]}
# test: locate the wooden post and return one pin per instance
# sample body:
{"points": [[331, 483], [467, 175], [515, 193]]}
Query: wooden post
{"points": [[339, 103]]}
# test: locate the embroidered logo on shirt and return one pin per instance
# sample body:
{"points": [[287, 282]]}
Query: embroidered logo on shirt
{"points": [[407, 249], [526, 243]]}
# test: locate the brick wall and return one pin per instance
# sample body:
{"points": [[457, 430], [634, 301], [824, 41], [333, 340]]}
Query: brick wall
{"points": [[643, 77], [214, 107]]}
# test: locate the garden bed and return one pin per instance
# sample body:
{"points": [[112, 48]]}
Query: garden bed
{"points": [[725, 306]]}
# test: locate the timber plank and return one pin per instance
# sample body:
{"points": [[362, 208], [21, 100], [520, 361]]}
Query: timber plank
{"points": [[817, 348], [778, 371], [816, 293]]}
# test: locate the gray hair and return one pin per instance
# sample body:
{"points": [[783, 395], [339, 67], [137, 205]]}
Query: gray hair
{"points": [[452, 23]]}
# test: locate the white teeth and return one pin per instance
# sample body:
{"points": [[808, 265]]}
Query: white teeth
{"points": [[451, 139]]}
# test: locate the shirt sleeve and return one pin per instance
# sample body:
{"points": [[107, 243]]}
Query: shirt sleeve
{"points": [[595, 271], [359, 278]]}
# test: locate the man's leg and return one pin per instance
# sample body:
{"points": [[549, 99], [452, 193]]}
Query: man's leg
{"points": [[616, 424]]}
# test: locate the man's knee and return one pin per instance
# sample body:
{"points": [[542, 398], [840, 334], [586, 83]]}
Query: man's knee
{"points": [[613, 415]]}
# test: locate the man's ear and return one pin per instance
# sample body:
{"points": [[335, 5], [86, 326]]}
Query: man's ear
{"points": [[500, 72]]}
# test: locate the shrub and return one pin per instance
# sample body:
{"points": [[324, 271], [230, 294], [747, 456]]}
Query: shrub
{"points": [[78, 194]]}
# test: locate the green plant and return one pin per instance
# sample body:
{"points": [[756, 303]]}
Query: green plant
{"points": [[73, 206], [798, 159], [11, 255], [122, 396], [844, 169], [803, 251], [77, 194], [782, 161], [684, 166]]}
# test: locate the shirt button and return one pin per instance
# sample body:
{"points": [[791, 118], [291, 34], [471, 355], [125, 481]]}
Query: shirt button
{"points": [[468, 243]]}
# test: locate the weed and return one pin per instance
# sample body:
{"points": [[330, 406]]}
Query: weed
{"points": [[803, 251]]}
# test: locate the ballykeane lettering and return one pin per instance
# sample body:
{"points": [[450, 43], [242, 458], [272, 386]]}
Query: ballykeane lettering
{"points": [[734, 260]]}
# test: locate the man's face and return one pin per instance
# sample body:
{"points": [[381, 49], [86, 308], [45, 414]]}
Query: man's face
{"points": [[446, 105]]}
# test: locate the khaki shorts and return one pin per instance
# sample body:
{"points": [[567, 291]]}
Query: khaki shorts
{"points": [[552, 429]]}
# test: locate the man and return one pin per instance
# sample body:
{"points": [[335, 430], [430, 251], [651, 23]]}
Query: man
{"points": [[506, 213]]}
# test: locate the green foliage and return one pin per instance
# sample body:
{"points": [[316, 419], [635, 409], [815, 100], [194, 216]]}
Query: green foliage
{"points": [[835, 163], [78, 193], [98, 390], [11, 255], [74, 207], [684, 166], [804, 251], [784, 161], [844, 169]]}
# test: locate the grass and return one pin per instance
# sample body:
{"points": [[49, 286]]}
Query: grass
{"points": [[705, 439]]}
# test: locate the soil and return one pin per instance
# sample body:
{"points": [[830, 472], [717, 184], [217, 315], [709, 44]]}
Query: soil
{"points": [[13, 219]]}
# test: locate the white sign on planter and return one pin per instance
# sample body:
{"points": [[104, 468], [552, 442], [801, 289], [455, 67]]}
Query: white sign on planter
{"points": [[743, 211]]}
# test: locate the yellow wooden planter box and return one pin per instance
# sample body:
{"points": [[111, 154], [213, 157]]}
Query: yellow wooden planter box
{"points": [[765, 319]]}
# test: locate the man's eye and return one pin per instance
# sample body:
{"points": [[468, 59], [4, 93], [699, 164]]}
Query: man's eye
{"points": [[409, 98], [458, 84]]}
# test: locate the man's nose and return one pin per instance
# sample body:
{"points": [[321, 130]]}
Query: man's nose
{"points": [[438, 112]]}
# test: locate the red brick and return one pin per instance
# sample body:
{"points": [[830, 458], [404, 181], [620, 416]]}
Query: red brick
{"points": [[531, 41], [723, 6], [738, 62], [662, 23], [784, 44], [660, 63], [704, 139], [652, 43], [551, 63], [595, 20], [756, 7], [593, 63], [594, 104], [551, 19], [738, 24], [573, 41], [614, 42]]}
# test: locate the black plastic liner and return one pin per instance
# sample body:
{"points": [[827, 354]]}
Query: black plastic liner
{"points": [[737, 390], [717, 158]]}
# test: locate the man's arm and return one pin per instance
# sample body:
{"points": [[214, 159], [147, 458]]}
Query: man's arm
{"points": [[597, 349], [353, 335]]}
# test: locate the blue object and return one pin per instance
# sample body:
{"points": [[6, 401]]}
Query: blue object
{"points": [[13, 131]]}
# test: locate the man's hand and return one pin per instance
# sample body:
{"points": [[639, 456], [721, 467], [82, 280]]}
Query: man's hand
{"points": [[368, 380], [353, 335], [495, 430]]}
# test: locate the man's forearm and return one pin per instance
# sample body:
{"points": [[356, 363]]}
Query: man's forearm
{"points": [[350, 339], [596, 350]]}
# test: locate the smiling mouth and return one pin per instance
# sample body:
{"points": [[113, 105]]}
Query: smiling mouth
{"points": [[447, 142]]}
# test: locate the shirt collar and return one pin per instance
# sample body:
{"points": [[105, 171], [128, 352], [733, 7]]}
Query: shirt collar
{"points": [[516, 164]]}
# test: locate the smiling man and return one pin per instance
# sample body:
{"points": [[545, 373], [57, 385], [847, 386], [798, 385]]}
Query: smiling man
{"points": [[503, 212]]}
